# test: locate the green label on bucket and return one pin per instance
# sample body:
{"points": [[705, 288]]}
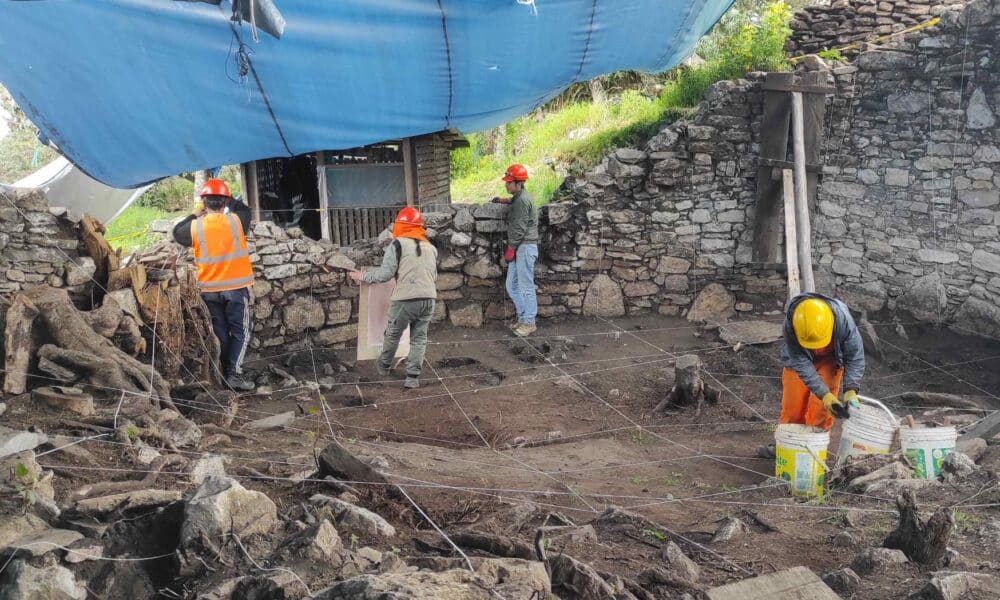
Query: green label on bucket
{"points": [[803, 472], [927, 463]]}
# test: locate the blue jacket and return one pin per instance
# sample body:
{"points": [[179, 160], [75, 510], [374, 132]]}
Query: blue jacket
{"points": [[848, 349]]}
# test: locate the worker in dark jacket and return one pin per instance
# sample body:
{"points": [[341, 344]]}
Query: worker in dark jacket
{"points": [[823, 356], [412, 260], [217, 232], [522, 249]]}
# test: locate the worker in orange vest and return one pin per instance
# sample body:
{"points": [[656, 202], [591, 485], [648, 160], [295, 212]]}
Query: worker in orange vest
{"points": [[217, 233], [824, 361]]}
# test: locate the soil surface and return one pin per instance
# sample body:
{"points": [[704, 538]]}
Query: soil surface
{"points": [[563, 421]]}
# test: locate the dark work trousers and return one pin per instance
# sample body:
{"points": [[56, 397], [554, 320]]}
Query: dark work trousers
{"points": [[232, 324]]}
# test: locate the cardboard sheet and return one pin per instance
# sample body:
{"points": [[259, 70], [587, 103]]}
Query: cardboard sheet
{"points": [[373, 317]]}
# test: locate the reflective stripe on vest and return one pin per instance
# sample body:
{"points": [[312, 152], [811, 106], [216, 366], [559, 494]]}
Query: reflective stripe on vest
{"points": [[223, 261]]}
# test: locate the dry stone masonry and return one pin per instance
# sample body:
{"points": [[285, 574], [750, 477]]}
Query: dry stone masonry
{"points": [[845, 22]]}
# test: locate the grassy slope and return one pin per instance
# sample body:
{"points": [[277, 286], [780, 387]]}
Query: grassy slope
{"points": [[129, 231]]}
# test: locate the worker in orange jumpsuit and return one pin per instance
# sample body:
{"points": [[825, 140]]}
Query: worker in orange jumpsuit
{"points": [[217, 233], [823, 355]]}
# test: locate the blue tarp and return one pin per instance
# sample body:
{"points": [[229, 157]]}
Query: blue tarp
{"points": [[135, 90]]}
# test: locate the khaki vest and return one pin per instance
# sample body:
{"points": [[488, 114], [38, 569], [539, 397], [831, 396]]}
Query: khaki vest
{"points": [[416, 276]]}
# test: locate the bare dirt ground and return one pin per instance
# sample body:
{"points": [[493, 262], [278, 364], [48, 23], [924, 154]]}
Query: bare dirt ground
{"points": [[563, 422]]}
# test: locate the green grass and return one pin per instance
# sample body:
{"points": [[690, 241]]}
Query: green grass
{"points": [[540, 146], [130, 230], [751, 37]]}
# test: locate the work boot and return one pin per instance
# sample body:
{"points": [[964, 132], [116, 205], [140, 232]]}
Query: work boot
{"points": [[381, 370], [411, 383], [513, 323], [766, 451], [525, 329], [240, 383]]}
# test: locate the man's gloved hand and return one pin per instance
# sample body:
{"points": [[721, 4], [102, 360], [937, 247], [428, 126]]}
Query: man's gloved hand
{"points": [[834, 407], [499, 200], [509, 254], [851, 399]]}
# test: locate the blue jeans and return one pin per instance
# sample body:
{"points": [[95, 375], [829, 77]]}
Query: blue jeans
{"points": [[232, 324], [521, 283]]}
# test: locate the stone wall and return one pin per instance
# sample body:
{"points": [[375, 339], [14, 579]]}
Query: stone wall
{"points": [[39, 245], [908, 204], [844, 22], [906, 213]]}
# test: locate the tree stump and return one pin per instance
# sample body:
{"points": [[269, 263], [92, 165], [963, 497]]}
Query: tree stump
{"points": [[689, 388], [18, 344], [923, 542]]}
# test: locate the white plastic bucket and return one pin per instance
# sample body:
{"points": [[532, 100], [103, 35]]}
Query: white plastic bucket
{"points": [[926, 447], [800, 458], [868, 431]]}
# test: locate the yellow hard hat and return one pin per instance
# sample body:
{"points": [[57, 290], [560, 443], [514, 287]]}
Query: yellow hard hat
{"points": [[813, 323]]}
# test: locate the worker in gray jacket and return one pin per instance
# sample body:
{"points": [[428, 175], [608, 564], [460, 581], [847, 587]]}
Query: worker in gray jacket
{"points": [[824, 361], [412, 260], [522, 249]]}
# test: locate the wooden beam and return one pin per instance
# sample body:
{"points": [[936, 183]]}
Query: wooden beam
{"points": [[251, 189], [802, 226], [784, 164], [802, 88], [324, 203], [409, 171], [773, 146], [791, 243]]}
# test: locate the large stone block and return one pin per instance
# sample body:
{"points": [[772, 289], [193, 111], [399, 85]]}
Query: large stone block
{"points": [[869, 296], [986, 261], [640, 288], [978, 114], [672, 265], [304, 312], [603, 298], [978, 317], [221, 506], [337, 335], [467, 314], [338, 311], [942, 257], [450, 281], [926, 299], [484, 268], [714, 304]]}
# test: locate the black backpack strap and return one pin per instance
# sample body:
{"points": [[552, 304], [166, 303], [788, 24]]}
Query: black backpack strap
{"points": [[399, 255]]}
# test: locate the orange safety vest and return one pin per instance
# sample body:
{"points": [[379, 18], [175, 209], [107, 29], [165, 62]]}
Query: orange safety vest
{"points": [[220, 252]]}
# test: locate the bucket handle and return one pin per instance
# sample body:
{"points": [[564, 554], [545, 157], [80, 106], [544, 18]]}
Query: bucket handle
{"points": [[874, 402]]}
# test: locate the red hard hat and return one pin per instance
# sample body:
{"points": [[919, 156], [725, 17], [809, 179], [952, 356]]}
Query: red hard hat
{"points": [[409, 214], [516, 172], [215, 187]]}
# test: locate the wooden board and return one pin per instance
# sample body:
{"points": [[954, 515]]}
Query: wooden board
{"points": [[373, 316], [773, 145], [798, 583]]}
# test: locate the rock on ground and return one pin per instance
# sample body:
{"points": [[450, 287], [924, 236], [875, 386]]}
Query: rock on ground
{"points": [[679, 564], [221, 506], [319, 543], [507, 577], [731, 528], [845, 581], [354, 519], [874, 560], [21, 581], [950, 585], [14, 442]]}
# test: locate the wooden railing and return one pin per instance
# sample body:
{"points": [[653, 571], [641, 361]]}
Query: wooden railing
{"points": [[349, 225]]}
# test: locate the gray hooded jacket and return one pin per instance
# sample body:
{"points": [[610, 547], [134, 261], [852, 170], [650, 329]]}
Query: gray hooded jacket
{"points": [[848, 349]]}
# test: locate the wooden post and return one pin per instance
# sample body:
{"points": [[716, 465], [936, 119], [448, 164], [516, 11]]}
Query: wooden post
{"points": [[773, 146], [791, 243], [802, 226], [250, 189], [324, 205], [409, 171]]}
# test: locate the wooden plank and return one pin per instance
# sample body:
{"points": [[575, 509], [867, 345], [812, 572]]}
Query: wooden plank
{"points": [[408, 172], [791, 245], [773, 145], [324, 204], [798, 583], [335, 226], [814, 107], [787, 164], [366, 224], [802, 88], [803, 229]]}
